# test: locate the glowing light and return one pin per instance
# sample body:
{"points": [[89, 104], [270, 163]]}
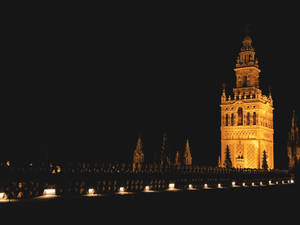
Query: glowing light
{"points": [[205, 186], [171, 185], [260, 183], [233, 183], [292, 181], [244, 184], [91, 191], [8, 163], [270, 182], [219, 186], [282, 182], [122, 189], [148, 189], [276, 182], [3, 196], [190, 186], [252, 184], [49, 192]]}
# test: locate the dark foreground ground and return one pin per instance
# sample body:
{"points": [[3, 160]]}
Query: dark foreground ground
{"points": [[270, 204]]}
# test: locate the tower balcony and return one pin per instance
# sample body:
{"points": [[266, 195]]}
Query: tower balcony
{"points": [[247, 64], [246, 96]]}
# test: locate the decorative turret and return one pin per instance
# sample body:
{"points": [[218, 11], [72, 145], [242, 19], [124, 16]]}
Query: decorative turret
{"points": [[223, 98], [270, 96]]}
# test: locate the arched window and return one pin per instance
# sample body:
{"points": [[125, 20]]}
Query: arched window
{"points": [[254, 118], [248, 118], [244, 81], [232, 119], [240, 116], [226, 120]]}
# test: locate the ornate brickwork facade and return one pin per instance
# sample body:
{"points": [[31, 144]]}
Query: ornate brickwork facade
{"points": [[247, 115]]}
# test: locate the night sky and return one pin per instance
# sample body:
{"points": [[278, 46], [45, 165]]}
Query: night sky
{"points": [[85, 85]]}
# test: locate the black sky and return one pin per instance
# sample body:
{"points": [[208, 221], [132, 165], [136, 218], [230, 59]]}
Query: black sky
{"points": [[85, 85]]}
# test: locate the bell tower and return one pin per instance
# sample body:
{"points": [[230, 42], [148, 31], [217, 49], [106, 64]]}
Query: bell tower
{"points": [[246, 71], [247, 115]]}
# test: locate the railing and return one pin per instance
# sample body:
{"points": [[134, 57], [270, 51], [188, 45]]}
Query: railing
{"points": [[31, 181]]}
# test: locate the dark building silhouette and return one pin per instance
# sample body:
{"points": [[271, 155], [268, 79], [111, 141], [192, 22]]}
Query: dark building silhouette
{"points": [[293, 144]]}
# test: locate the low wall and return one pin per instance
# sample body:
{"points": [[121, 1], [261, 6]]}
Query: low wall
{"points": [[30, 181]]}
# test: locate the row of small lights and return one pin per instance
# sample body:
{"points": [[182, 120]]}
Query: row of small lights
{"points": [[190, 186], [51, 192]]}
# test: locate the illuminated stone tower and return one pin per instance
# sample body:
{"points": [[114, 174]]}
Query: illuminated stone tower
{"points": [[247, 115], [293, 145]]}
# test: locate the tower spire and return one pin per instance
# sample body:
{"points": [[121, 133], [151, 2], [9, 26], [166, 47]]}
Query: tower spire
{"points": [[164, 158], [138, 155], [293, 146], [246, 56], [223, 98], [224, 89], [270, 95], [247, 71], [177, 159], [187, 153], [293, 119]]}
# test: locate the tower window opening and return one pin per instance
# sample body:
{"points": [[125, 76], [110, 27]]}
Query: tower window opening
{"points": [[240, 116], [254, 118], [248, 118], [232, 119], [244, 81], [226, 120], [240, 157]]}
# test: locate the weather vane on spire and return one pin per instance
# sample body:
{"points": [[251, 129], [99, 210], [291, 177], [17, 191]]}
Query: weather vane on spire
{"points": [[247, 30]]}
